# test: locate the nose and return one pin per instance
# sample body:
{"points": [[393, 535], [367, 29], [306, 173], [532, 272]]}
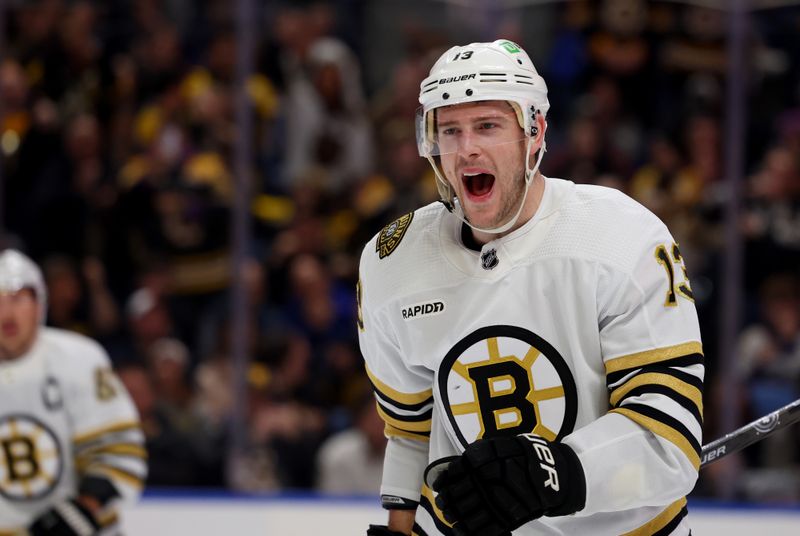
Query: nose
{"points": [[468, 144]]}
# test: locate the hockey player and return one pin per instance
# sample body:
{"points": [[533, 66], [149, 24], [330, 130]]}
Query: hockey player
{"points": [[533, 341], [71, 449]]}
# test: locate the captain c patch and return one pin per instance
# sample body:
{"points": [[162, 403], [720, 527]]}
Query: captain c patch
{"points": [[391, 235]]}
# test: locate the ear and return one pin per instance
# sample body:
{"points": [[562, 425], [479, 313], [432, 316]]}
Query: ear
{"points": [[541, 127]]}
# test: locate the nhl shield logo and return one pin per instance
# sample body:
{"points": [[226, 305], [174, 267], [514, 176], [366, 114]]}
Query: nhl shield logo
{"points": [[489, 259]]}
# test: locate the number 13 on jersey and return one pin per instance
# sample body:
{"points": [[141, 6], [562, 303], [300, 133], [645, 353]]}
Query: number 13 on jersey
{"points": [[668, 258]]}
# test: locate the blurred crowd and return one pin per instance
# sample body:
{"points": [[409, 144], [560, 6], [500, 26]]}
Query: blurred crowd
{"points": [[118, 134]]}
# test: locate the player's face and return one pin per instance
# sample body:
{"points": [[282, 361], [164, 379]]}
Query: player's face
{"points": [[483, 150], [19, 322]]}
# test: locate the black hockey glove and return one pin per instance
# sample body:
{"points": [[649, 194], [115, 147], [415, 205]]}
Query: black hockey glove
{"points": [[382, 530], [501, 483], [67, 518]]}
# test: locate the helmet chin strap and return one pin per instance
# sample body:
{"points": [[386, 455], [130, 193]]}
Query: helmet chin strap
{"points": [[529, 174]]}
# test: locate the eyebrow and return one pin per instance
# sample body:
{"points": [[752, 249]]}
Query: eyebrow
{"points": [[478, 119]]}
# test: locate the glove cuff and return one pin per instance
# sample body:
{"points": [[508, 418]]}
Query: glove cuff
{"points": [[99, 487], [382, 530], [65, 518], [575, 485]]}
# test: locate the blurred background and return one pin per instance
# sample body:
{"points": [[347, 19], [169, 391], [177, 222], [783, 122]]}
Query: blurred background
{"points": [[197, 180]]}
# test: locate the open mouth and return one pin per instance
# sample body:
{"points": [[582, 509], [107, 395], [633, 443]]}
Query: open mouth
{"points": [[478, 184], [9, 329]]}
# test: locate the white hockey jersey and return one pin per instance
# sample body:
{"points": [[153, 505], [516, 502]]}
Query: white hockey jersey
{"points": [[579, 326], [64, 414]]}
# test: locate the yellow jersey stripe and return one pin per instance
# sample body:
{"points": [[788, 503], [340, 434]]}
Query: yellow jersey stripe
{"points": [[689, 391], [428, 494], [663, 430], [391, 431], [122, 449], [108, 429], [408, 426], [648, 357], [660, 521], [393, 394], [117, 474]]}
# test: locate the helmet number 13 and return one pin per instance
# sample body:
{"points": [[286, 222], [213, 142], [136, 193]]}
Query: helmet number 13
{"points": [[467, 54], [669, 258]]}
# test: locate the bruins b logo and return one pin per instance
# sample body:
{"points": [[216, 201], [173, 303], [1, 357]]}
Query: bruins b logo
{"points": [[505, 380], [30, 458]]}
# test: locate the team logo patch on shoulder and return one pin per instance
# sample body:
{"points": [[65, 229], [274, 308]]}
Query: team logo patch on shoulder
{"points": [[391, 235]]}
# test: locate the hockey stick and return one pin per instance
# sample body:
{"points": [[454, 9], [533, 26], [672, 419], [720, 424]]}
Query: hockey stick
{"points": [[750, 433], [719, 448]]}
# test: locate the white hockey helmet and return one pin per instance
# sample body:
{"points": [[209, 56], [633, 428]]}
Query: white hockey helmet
{"points": [[17, 272], [496, 71]]}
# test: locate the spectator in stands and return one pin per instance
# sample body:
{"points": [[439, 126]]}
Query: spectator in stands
{"points": [[327, 123], [769, 369], [351, 461], [177, 455], [772, 217]]}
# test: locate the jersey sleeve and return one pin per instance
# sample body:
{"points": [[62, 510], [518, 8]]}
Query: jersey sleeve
{"points": [[108, 442], [646, 449], [403, 394]]}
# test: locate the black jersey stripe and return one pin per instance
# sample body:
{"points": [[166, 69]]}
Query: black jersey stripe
{"points": [[687, 389], [391, 431], [669, 420], [688, 360], [654, 355], [106, 431], [670, 527], [416, 530], [659, 524], [399, 398], [661, 368], [405, 425], [443, 528], [665, 426], [116, 474], [417, 417], [687, 403], [400, 405]]}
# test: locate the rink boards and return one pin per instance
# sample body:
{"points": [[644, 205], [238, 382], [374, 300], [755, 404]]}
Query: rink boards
{"points": [[168, 514]]}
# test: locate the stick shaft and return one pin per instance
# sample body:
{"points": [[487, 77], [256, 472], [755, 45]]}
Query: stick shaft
{"points": [[751, 433]]}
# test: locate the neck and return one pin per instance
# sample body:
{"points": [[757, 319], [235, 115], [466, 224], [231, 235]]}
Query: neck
{"points": [[532, 202], [11, 354]]}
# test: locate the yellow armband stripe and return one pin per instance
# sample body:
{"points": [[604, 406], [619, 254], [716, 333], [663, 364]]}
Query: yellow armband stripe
{"points": [[656, 379], [115, 473], [671, 515], [121, 449], [122, 426], [648, 357], [393, 395], [428, 502], [656, 421], [406, 426], [391, 431]]}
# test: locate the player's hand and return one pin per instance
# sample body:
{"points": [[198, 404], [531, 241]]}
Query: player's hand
{"points": [[501, 483], [66, 518], [383, 530]]}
